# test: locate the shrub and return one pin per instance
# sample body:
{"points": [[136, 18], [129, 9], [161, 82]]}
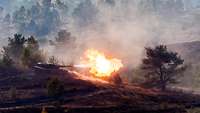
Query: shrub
{"points": [[55, 88]]}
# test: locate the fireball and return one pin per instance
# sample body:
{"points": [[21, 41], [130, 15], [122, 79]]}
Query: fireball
{"points": [[100, 65]]}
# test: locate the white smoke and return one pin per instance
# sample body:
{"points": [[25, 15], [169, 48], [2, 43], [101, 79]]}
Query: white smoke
{"points": [[124, 30]]}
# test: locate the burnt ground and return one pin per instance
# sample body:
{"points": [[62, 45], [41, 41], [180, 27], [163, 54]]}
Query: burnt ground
{"points": [[86, 95]]}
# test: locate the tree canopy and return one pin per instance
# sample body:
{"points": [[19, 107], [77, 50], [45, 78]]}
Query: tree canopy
{"points": [[22, 51], [162, 66]]}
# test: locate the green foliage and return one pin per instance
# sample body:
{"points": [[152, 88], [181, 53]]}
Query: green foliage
{"points": [[22, 51], [29, 59], [31, 54], [15, 47], [162, 66], [55, 88]]}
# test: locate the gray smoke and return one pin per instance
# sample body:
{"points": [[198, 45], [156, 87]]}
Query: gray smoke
{"points": [[120, 27], [125, 27]]}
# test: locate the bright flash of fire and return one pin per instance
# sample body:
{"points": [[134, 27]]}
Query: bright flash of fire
{"points": [[100, 65]]}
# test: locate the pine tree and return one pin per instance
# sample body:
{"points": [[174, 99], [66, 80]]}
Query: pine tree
{"points": [[162, 67]]}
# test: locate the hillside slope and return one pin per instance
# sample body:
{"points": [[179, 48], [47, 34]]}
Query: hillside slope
{"points": [[85, 95], [190, 51]]}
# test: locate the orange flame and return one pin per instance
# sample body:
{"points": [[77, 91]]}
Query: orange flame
{"points": [[100, 65]]}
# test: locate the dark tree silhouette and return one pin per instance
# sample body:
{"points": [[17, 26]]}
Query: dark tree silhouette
{"points": [[32, 43], [63, 39], [162, 67], [31, 53], [15, 47], [21, 50]]}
